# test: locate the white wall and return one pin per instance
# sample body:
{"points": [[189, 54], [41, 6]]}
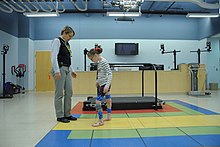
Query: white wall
{"points": [[26, 56], [21, 51], [11, 56], [213, 62], [31, 67], [149, 51]]}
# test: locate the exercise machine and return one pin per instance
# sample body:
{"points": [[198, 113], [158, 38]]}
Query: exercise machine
{"points": [[194, 69], [199, 51], [131, 103], [194, 90], [5, 94], [19, 72], [85, 51], [162, 49]]}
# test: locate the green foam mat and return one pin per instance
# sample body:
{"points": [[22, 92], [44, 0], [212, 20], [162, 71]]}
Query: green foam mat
{"points": [[172, 113], [188, 111], [152, 132], [80, 134], [131, 133], [134, 115], [200, 130]]}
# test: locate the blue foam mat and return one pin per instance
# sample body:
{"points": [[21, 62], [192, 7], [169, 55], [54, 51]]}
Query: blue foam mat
{"points": [[118, 142], [58, 138], [208, 140], [170, 141]]}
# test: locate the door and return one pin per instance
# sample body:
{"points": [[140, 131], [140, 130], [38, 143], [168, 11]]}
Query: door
{"points": [[44, 80]]}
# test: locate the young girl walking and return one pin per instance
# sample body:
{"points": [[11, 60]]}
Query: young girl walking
{"points": [[103, 83]]}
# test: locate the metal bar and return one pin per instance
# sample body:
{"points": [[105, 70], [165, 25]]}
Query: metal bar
{"points": [[9, 9], [21, 9], [3, 74], [142, 94], [156, 99]]}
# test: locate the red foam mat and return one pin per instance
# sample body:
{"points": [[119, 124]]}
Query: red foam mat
{"points": [[77, 109]]}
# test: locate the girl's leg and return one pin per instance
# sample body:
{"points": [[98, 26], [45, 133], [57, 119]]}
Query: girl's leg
{"points": [[100, 114], [109, 107]]}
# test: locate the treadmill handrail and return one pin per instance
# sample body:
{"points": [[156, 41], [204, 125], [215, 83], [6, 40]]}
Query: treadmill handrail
{"points": [[141, 65]]}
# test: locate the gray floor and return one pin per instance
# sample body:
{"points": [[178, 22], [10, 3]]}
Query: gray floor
{"points": [[27, 118]]}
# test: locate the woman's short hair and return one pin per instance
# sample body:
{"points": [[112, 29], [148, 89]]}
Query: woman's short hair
{"points": [[67, 30]]}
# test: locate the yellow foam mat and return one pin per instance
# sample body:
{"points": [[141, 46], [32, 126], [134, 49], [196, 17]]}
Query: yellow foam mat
{"points": [[143, 122]]}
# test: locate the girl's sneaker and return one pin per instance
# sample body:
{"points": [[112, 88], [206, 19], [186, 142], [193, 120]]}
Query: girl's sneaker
{"points": [[108, 117], [98, 124]]}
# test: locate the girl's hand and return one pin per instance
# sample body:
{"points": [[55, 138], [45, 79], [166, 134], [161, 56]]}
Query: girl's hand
{"points": [[106, 88]]}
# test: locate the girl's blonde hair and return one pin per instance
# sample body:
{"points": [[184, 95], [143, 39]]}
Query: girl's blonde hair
{"points": [[97, 50]]}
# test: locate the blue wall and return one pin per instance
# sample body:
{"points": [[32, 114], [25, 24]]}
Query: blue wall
{"points": [[97, 26], [208, 27], [9, 23]]}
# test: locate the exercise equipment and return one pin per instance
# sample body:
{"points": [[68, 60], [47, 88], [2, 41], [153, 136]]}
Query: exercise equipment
{"points": [[19, 72], [162, 49], [199, 51], [5, 94], [12, 88], [194, 68], [194, 90], [85, 54], [130, 103], [85, 51]]}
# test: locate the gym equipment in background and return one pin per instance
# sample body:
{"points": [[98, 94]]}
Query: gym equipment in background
{"points": [[162, 49], [19, 72], [194, 90], [194, 68], [85, 54], [132, 102], [85, 51], [5, 94], [199, 51]]}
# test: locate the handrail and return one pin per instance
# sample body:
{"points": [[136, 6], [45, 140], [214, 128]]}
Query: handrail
{"points": [[40, 5], [10, 10], [200, 3], [56, 6], [17, 10], [78, 8], [36, 9], [141, 65]]}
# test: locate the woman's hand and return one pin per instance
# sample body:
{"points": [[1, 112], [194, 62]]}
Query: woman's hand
{"points": [[57, 75], [73, 74]]}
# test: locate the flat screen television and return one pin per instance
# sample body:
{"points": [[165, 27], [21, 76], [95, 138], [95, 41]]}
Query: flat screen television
{"points": [[126, 48]]}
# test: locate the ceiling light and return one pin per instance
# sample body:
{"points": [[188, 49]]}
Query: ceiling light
{"points": [[202, 15], [134, 14], [41, 14]]}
